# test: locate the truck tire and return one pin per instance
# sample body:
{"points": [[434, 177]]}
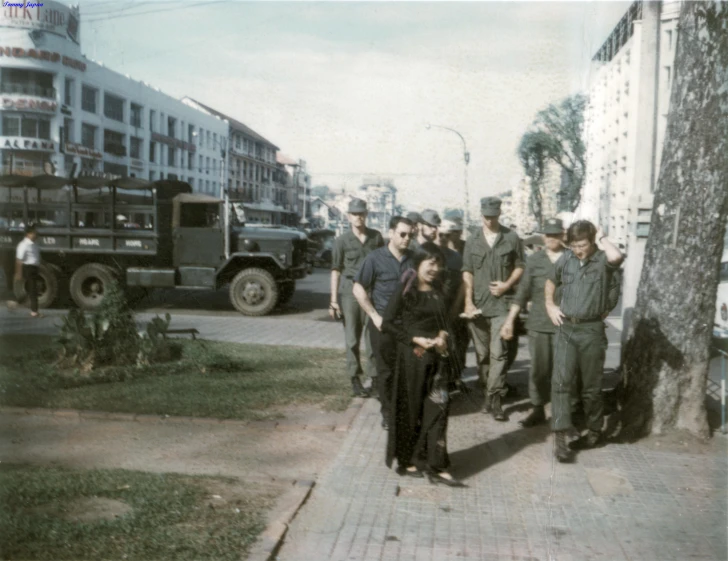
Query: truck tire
{"points": [[89, 283], [254, 292], [285, 292], [47, 286]]}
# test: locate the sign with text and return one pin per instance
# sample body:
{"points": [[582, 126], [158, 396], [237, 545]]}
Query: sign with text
{"points": [[10, 103], [83, 151], [43, 15], [91, 243], [22, 143], [39, 54]]}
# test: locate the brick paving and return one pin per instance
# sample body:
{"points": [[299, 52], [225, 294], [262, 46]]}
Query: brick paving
{"points": [[618, 502]]}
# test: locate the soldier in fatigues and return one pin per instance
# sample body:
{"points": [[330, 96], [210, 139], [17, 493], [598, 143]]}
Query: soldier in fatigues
{"points": [[541, 331], [348, 253], [589, 281], [493, 262]]}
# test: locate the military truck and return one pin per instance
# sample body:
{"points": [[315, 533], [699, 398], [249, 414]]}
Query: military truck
{"points": [[94, 230]]}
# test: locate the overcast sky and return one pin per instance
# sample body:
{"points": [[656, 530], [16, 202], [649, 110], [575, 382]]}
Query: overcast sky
{"points": [[349, 87]]}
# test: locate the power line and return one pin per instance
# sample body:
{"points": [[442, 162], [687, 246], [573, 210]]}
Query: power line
{"points": [[173, 9]]}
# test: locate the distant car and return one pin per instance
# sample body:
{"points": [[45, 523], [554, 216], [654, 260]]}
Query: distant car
{"points": [[721, 303]]}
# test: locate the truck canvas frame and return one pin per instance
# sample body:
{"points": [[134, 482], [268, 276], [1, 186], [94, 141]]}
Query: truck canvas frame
{"points": [[94, 230]]}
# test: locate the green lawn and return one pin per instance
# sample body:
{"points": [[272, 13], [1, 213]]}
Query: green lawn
{"points": [[170, 516], [210, 379]]}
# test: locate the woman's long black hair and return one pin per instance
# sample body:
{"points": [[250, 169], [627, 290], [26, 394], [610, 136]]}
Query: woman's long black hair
{"points": [[425, 252]]}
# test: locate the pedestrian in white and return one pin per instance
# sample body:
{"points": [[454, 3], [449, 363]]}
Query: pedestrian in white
{"points": [[27, 264]]}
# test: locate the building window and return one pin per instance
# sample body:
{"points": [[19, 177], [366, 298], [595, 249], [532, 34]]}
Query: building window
{"points": [[113, 107], [88, 98], [171, 124], [152, 116], [67, 130], [29, 127], [171, 156], [114, 143], [199, 164], [152, 151], [11, 125], [190, 161], [68, 92], [136, 115], [135, 147], [207, 162], [668, 78], [88, 136], [208, 138], [190, 133]]}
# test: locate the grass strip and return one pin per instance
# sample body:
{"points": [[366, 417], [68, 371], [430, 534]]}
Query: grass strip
{"points": [[169, 517], [210, 379]]}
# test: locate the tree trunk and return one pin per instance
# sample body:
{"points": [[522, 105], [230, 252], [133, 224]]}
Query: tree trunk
{"points": [[667, 354]]}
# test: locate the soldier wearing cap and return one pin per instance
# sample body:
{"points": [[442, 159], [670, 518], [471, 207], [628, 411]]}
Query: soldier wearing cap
{"points": [[450, 234], [541, 331], [493, 262], [348, 253], [589, 281], [415, 218], [428, 223]]}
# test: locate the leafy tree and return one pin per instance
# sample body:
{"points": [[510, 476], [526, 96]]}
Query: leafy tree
{"points": [[556, 135], [321, 191], [667, 354]]}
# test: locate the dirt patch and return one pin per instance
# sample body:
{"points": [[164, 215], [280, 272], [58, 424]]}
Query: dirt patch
{"points": [[85, 510], [95, 509]]}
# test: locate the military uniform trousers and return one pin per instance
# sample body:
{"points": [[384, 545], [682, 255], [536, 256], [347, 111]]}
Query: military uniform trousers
{"points": [[492, 353], [354, 331], [579, 350]]}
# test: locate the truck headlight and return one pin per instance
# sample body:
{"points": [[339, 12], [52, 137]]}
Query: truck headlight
{"points": [[282, 257]]}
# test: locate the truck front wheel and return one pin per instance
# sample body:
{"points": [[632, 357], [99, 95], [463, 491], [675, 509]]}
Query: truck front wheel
{"points": [[254, 292], [47, 286], [89, 284]]}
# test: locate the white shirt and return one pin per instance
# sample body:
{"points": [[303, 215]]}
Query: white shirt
{"points": [[28, 252], [490, 238]]}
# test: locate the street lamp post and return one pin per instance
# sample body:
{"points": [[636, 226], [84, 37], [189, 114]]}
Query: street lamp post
{"points": [[466, 159]]}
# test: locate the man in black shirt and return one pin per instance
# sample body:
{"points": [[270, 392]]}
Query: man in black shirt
{"points": [[374, 285]]}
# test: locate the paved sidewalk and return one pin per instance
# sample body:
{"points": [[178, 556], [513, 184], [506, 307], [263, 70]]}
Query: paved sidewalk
{"points": [[637, 502]]}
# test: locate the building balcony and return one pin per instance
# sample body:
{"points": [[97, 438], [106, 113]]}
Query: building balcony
{"points": [[27, 89], [115, 149]]}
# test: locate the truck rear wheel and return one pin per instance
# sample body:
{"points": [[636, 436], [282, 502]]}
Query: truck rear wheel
{"points": [[254, 292], [47, 286], [89, 284]]}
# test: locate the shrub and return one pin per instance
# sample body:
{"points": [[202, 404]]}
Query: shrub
{"points": [[109, 336]]}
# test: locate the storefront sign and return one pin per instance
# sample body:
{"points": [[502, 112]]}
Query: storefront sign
{"points": [[46, 15], [28, 104], [37, 54], [83, 151], [20, 143], [174, 142]]}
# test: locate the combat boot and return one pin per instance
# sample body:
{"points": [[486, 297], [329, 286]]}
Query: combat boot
{"points": [[536, 417], [357, 389], [561, 450], [487, 408], [498, 413]]}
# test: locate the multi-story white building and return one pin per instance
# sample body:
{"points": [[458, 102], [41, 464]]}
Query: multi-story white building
{"points": [[252, 170], [60, 110], [625, 125], [381, 199]]}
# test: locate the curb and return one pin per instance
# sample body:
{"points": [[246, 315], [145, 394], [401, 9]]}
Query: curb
{"points": [[81, 415], [271, 539]]}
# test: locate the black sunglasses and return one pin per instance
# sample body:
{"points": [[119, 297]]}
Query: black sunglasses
{"points": [[405, 235]]}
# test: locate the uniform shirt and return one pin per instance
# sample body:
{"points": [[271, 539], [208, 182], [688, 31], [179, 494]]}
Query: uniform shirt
{"points": [[488, 264], [452, 275], [380, 273], [349, 252], [589, 290], [28, 252], [539, 268]]}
